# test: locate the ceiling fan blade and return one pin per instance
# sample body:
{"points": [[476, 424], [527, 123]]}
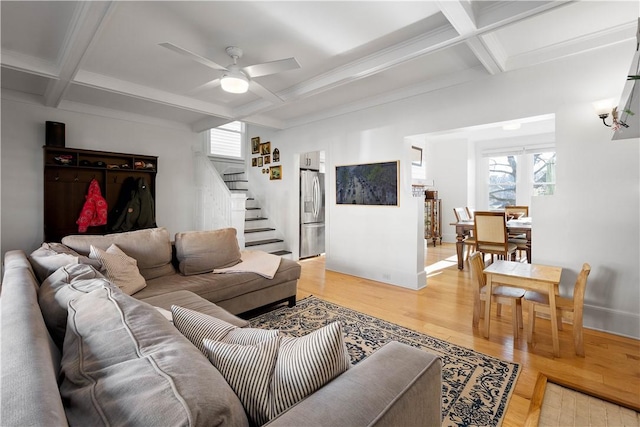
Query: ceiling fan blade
{"points": [[265, 93], [267, 68], [208, 85], [201, 59]]}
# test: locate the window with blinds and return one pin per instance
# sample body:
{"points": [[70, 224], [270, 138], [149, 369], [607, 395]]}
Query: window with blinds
{"points": [[226, 140]]}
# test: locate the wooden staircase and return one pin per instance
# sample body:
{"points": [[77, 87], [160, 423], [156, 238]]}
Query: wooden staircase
{"points": [[259, 232]]}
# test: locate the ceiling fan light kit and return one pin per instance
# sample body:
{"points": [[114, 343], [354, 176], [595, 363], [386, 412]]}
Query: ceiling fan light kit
{"points": [[234, 83]]}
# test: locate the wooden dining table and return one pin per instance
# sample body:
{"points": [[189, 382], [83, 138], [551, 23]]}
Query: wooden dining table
{"points": [[464, 228], [535, 277]]}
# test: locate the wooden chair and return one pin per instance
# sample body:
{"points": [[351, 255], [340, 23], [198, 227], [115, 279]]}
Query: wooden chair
{"points": [[568, 308], [462, 214], [520, 240], [491, 235], [515, 212], [501, 295]]}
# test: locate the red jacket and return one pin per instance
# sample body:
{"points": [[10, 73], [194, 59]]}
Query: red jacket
{"points": [[94, 211]]}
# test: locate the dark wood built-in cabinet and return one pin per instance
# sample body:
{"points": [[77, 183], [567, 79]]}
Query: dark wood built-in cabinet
{"points": [[67, 175]]}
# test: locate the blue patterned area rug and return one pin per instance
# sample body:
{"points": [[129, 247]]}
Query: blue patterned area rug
{"points": [[475, 387]]}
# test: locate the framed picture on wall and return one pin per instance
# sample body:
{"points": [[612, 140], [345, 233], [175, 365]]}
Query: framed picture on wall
{"points": [[267, 160], [259, 161], [372, 184], [255, 145], [265, 148], [254, 161], [275, 172]]}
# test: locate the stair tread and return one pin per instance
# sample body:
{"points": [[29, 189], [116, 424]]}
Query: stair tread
{"points": [[236, 180], [257, 230], [263, 242], [253, 209], [280, 253], [255, 219], [239, 189], [234, 173]]}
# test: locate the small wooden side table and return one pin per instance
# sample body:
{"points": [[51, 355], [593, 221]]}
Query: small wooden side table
{"points": [[535, 277]]}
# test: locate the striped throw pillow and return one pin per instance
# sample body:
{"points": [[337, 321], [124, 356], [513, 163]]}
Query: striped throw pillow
{"points": [[248, 370], [197, 326], [119, 268], [300, 366], [307, 363]]}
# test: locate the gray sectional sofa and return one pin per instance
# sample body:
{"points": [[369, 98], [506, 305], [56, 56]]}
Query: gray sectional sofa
{"points": [[122, 362]]}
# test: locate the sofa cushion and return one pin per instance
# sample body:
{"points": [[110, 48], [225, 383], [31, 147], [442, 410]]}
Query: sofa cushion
{"points": [[197, 326], [124, 364], [120, 269], [299, 366], [194, 302], [51, 256], [64, 285], [150, 247], [203, 251]]}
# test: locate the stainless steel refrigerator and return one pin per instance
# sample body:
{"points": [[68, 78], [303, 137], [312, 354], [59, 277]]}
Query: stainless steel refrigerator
{"points": [[311, 213]]}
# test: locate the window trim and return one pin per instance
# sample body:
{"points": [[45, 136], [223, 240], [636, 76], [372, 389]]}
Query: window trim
{"points": [[229, 159]]}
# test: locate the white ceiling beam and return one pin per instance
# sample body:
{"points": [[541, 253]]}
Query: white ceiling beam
{"points": [[88, 19], [28, 64], [609, 37], [365, 67], [461, 16], [110, 84]]}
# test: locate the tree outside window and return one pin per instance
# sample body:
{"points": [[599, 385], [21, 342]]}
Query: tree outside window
{"points": [[513, 179]]}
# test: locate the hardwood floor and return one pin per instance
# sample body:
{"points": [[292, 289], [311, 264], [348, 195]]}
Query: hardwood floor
{"points": [[443, 309]]}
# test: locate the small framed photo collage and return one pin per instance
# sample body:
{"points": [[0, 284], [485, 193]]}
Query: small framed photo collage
{"points": [[263, 157]]}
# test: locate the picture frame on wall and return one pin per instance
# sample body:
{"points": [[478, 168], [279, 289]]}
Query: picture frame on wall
{"points": [[276, 155], [255, 145], [275, 172], [259, 161], [267, 160], [254, 162], [265, 148], [370, 184]]}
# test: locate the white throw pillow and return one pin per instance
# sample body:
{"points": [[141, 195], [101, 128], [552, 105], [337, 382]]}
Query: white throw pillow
{"points": [[300, 366], [119, 268]]}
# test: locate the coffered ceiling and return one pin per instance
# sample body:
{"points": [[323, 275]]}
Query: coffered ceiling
{"points": [[106, 56]]}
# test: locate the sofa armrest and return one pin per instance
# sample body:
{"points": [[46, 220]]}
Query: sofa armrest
{"points": [[398, 385]]}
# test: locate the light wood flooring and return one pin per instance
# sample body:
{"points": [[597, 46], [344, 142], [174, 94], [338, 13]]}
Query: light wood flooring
{"points": [[443, 309]]}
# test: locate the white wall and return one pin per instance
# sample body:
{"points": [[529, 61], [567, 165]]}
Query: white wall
{"points": [[23, 135], [594, 216]]}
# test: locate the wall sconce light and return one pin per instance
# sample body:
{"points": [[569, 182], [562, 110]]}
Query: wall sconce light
{"points": [[604, 108]]}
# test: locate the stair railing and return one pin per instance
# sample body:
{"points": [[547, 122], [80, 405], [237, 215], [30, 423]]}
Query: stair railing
{"points": [[216, 207]]}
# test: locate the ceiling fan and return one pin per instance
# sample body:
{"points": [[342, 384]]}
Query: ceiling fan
{"points": [[236, 79]]}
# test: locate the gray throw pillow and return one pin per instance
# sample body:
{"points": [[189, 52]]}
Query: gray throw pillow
{"points": [[203, 251], [51, 256]]}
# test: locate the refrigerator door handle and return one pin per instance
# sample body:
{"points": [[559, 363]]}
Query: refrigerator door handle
{"points": [[316, 196]]}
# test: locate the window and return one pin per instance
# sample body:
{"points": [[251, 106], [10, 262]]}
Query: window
{"points": [[227, 140], [515, 177]]}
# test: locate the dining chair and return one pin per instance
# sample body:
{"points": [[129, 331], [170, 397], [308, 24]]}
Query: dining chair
{"points": [[491, 235], [462, 214], [515, 212], [501, 295], [520, 240], [567, 308]]}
